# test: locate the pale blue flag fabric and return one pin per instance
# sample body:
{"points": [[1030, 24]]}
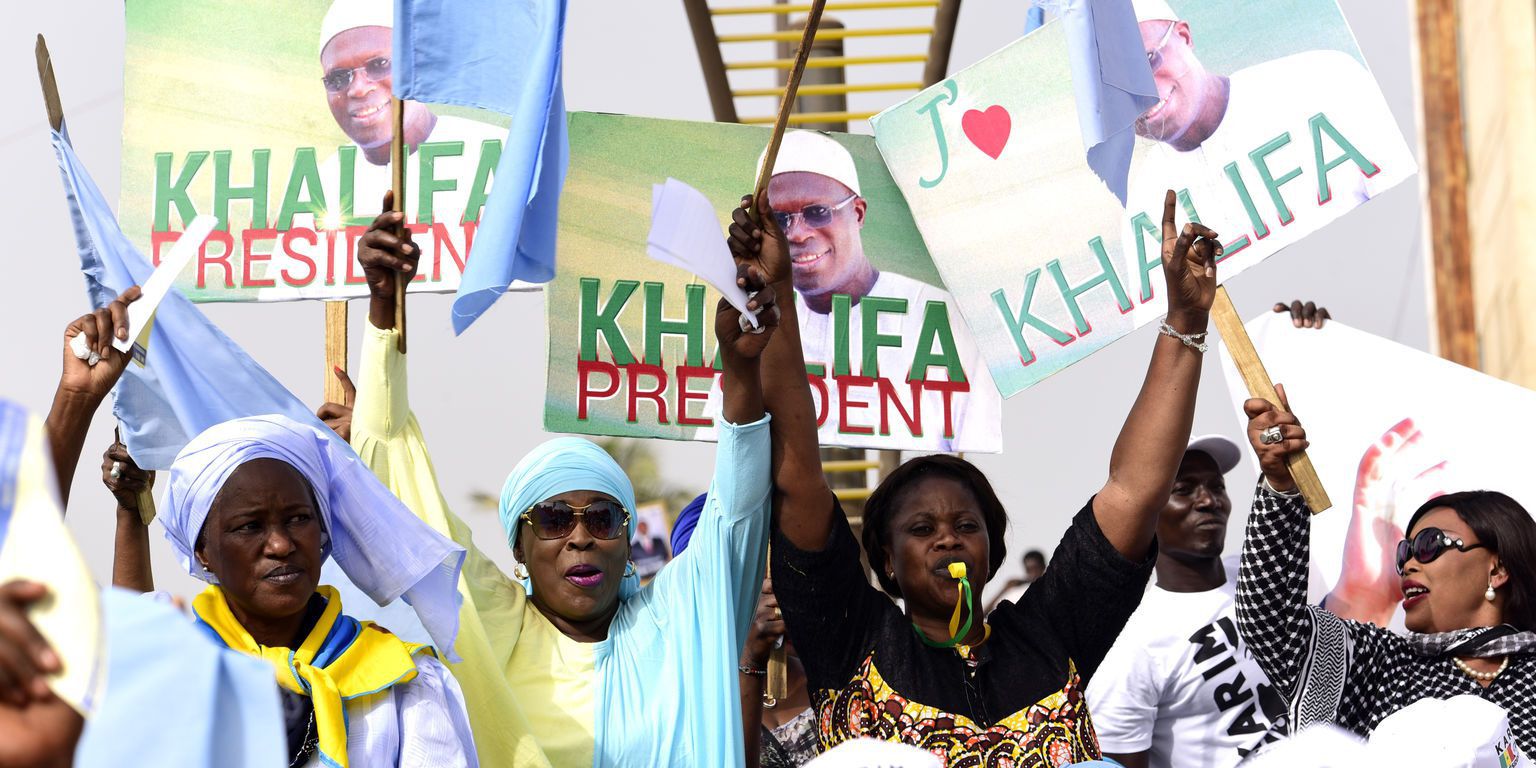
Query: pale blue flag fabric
{"points": [[176, 699], [196, 376], [1111, 80], [503, 56]]}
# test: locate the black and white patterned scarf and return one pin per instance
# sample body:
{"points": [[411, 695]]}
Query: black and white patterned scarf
{"points": [[1477, 642]]}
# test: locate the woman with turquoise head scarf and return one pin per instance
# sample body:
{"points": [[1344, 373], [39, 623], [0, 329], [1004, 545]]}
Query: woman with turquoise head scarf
{"points": [[569, 660]]}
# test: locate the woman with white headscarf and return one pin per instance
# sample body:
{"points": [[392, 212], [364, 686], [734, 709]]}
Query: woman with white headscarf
{"points": [[570, 658], [255, 507]]}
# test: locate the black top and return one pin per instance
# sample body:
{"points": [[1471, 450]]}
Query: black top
{"points": [[1018, 695], [1344, 672]]}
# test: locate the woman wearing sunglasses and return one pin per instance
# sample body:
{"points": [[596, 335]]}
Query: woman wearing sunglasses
{"points": [[1468, 570], [569, 659]]}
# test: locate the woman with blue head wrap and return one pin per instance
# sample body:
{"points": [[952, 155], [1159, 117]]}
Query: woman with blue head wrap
{"points": [[570, 660]]}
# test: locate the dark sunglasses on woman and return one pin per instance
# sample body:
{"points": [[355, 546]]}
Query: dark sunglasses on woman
{"points": [[603, 519], [1428, 545]]}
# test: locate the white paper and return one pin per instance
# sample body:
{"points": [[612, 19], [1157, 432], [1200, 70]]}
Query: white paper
{"points": [[141, 313], [685, 233]]}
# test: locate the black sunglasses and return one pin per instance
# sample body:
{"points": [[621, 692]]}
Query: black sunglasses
{"points": [[556, 519], [1428, 545], [814, 216], [338, 79]]}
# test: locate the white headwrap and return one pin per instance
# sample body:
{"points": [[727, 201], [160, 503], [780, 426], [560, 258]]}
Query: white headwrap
{"points": [[814, 152], [383, 548]]}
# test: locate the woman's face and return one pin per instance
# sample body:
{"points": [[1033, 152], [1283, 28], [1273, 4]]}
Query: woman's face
{"points": [[937, 522], [262, 540], [1448, 593], [576, 577]]}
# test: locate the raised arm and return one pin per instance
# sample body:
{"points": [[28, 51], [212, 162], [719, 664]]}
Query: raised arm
{"points": [[130, 549], [83, 386], [1152, 442], [803, 503]]}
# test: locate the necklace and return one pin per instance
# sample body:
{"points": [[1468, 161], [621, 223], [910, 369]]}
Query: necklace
{"points": [[305, 746], [1482, 677]]}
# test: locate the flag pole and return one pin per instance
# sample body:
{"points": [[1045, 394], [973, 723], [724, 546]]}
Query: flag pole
{"points": [[787, 103], [335, 349], [398, 152], [1246, 358], [55, 109]]}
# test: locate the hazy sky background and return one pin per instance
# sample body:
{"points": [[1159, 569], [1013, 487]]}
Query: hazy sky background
{"points": [[479, 397]]}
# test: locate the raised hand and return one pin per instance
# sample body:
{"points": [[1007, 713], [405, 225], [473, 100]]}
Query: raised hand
{"points": [[1304, 315], [748, 344], [383, 255], [1189, 267], [123, 477], [767, 627], [1262, 415], [760, 244], [99, 328], [338, 416]]}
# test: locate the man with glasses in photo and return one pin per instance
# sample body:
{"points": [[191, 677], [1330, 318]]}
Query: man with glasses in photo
{"points": [[817, 202], [1209, 126], [356, 45]]}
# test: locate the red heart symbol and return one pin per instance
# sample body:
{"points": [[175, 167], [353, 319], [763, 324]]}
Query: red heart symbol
{"points": [[987, 130]]}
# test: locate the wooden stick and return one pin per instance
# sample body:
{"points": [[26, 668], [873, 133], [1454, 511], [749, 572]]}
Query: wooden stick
{"points": [[398, 152], [50, 86], [335, 350], [776, 685], [1240, 347], [787, 103]]}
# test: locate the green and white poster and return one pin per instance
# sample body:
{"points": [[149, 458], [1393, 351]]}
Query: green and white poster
{"points": [[1269, 127], [631, 343], [275, 117]]}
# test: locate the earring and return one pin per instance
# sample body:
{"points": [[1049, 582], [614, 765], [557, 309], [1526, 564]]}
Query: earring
{"points": [[1489, 594], [630, 570], [520, 572]]}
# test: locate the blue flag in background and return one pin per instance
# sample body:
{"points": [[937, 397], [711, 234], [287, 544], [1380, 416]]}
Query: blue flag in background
{"points": [[196, 376], [503, 56], [1111, 80]]}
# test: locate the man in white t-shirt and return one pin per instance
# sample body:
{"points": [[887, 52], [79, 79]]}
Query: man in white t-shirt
{"points": [[1179, 688], [1219, 136], [816, 198]]}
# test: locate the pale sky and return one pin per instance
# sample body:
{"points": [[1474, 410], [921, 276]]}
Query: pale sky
{"points": [[479, 397]]}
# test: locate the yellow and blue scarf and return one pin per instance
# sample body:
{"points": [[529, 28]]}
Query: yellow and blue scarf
{"points": [[341, 659]]}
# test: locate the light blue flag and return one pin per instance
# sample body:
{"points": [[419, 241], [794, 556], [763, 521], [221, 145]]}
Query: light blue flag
{"points": [[504, 56], [174, 698], [1111, 80], [196, 376]]}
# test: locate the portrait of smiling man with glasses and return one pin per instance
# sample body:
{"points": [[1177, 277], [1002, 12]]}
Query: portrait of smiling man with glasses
{"points": [[820, 209]]}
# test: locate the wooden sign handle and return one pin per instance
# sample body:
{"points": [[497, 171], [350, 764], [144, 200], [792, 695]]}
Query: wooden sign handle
{"points": [[787, 103], [335, 350], [398, 152], [1246, 358]]}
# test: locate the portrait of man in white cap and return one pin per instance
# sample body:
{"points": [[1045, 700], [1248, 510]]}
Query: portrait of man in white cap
{"points": [[817, 200], [1207, 121], [356, 46]]}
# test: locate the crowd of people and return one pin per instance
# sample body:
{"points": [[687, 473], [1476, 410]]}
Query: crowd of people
{"points": [[1139, 642], [569, 660]]}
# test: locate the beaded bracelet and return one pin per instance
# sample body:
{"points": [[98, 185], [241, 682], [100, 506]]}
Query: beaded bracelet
{"points": [[1195, 341], [746, 670]]}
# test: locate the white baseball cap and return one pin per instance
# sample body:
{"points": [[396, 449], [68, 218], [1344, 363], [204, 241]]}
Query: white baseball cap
{"points": [[1463, 731], [866, 752], [1219, 447], [1154, 10], [351, 14], [814, 152]]}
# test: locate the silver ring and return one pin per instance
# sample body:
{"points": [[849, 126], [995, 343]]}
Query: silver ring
{"points": [[117, 470], [1271, 436]]}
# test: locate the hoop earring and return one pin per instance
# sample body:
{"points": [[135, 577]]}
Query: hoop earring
{"points": [[520, 572], [630, 569]]}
